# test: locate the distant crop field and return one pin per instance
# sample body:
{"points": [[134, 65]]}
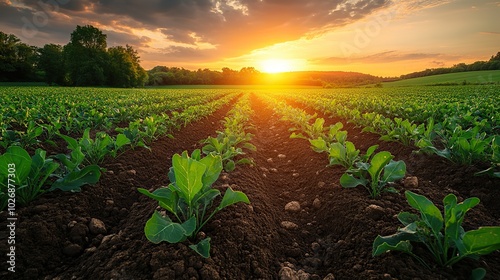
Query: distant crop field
{"points": [[475, 77]]}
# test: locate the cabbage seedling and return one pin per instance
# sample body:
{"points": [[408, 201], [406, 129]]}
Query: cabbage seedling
{"points": [[189, 198]]}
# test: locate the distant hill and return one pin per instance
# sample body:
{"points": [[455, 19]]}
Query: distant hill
{"points": [[473, 77], [322, 78]]}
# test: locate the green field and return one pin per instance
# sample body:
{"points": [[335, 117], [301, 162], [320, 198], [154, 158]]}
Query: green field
{"points": [[475, 77]]}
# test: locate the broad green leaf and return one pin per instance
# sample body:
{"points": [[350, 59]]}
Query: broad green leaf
{"points": [[429, 212], [121, 140], [341, 136], [232, 197], [78, 178], [318, 145], [407, 218], [213, 168], [455, 214], [22, 161], [202, 248], [165, 196], [295, 136], [249, 146], [370, 151], [188, 177], [481, 241], [337, 154], [377, 164], [351, 149], [159, 228], [478, 273], [396, 242], [196, 155], [207, 197], [394, 171], [72, 143], [245, 161], [229, 165], [349, 181]]}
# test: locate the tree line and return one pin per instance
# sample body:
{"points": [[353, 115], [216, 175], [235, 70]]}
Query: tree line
{"points": [[163, 75], [87, 61], [84, 61], [492, 64]]}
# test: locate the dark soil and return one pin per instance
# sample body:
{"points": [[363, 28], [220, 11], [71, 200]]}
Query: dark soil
{"points": [[331, 235]]}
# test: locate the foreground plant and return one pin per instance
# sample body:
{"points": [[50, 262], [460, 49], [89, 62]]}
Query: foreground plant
{"points": [[444, 236], [189, 198], [31, 175], [375, 175], [71, 176]]}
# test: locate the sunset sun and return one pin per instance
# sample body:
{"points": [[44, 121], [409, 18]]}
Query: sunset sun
{"points": [[276, 65]]}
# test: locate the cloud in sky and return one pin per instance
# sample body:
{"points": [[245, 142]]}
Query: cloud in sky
{"points": [[233, 27], [202, 32], [387, 57]]}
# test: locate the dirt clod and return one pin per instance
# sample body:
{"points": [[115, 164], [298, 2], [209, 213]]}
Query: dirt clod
{"points": [[293, 206], [97, 226], [289, 225]]}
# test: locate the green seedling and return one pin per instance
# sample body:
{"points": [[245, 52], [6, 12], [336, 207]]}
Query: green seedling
{"points": [[189, 198], [376, 174], [443, 236]]}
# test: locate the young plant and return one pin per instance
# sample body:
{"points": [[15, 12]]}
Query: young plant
{"points": [[444, 237], [227, 148], [189, 198], [494, 170], [347, 155], [31, 173], [460, 146], [403, 131], [376, 174], [51, 130], [134, 134], [29, 137], [71, 177], [96, 150]]}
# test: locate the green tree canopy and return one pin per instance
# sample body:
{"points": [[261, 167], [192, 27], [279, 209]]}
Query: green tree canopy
{"points": [[85, 56], [51, 62], [17, 59]]}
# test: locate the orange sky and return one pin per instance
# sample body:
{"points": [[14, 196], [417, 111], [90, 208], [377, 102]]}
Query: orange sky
{"points": [[379, 37]]}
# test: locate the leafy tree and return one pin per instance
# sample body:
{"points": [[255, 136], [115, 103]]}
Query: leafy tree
{"points": [[85, 56], [495, 57], [51, 61], [17, 59], [124, 68]]}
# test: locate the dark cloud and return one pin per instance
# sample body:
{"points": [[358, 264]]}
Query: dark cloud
{"points": [[121, 39], [438, 63], [386, 57], [489, 33], [234, 27]]}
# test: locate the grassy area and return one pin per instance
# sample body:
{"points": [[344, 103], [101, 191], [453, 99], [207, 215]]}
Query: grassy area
{"points": [[475, 77]]}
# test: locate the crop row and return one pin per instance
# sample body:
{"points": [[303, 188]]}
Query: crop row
{"points": [[459, 126], [31, 113], [189, 196], [31, 176], [442, 235], [375, 172]]}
